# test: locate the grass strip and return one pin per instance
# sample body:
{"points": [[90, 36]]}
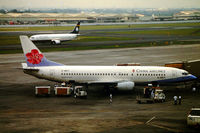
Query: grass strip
{"points": [[14, 39], [195, 32], [95, 27]]}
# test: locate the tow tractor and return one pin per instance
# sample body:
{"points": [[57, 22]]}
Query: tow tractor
{"points": [[159, 95], [150, 95], [80, 92]]}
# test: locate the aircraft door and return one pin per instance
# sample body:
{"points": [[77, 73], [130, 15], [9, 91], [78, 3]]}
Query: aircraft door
{"points": [[174, 73], [52, 73]]}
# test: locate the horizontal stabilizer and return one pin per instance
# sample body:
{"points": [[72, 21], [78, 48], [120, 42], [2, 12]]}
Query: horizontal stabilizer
{"points": [[25, 67]]}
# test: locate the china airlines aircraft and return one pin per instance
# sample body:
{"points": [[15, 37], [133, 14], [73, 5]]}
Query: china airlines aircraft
{"points": [[57, 38], [121, 77]]}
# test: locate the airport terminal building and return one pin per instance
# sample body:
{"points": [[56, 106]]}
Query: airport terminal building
{"points": [[58, 18]]}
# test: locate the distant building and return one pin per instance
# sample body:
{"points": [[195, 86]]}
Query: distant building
{"points": [[187, 15], [183, 15], [56, 18]]}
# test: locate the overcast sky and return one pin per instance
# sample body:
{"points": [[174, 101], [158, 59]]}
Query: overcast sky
{"points": [[100, 3]]}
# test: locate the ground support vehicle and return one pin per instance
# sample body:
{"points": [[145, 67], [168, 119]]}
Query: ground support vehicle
{"points": [[140, 100], [63, 91], [42, 90], [193, 117], [150, 95], [159, 96], [80, 92]]}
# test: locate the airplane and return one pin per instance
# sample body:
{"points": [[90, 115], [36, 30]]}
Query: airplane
{"points": [[119, 77], [57, 38]]}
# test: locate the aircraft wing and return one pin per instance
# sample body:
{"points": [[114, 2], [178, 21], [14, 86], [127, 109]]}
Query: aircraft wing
{"points": [[106, 82]]}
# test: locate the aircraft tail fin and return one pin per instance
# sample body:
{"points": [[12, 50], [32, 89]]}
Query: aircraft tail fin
{"points": [[33, 55], [76, 28]]}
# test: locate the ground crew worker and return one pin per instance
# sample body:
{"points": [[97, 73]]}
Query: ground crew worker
{"points": [[63, 84], [194, 89], [55, 85], [110, 98], [152, 94], [179, 100], [175, 100]]}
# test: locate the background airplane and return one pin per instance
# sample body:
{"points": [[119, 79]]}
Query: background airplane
{"points": [[121, 77], [57, 38]]}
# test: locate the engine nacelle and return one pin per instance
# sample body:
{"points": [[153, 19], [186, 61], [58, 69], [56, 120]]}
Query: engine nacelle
{"points": [[125, 86], [55, 41]]}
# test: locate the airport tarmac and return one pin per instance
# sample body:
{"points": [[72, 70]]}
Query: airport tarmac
{"points": [[21, 111]]}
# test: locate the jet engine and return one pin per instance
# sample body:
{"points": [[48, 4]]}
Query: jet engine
{"points": [[55, 42], [125, 85]]}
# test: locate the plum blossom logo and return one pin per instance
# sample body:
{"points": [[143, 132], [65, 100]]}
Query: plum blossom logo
{"points": [[34, 57]]}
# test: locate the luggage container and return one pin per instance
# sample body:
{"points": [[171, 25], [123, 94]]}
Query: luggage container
{"points": [[176, 65], [63, 91], [128, 64], [42, 90]]}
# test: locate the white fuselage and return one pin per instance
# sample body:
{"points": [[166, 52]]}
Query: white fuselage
{"points": [[53, 37], [90, 74], [122, 77]]}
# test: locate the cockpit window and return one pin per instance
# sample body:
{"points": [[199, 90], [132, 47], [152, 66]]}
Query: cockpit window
{"points": [[184, 73]]}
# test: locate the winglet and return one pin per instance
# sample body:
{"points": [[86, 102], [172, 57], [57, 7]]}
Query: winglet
{"points": [[33, 55]]}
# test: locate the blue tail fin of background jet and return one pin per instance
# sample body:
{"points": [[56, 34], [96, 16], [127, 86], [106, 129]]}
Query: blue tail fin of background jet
{"points": [[33, 55]]}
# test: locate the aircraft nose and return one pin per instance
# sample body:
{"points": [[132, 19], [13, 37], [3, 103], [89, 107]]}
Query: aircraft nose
{"points": [[192, 77]]}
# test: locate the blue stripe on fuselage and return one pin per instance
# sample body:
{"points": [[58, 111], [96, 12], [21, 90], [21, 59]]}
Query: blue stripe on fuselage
{"points": [[179, 79]]}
